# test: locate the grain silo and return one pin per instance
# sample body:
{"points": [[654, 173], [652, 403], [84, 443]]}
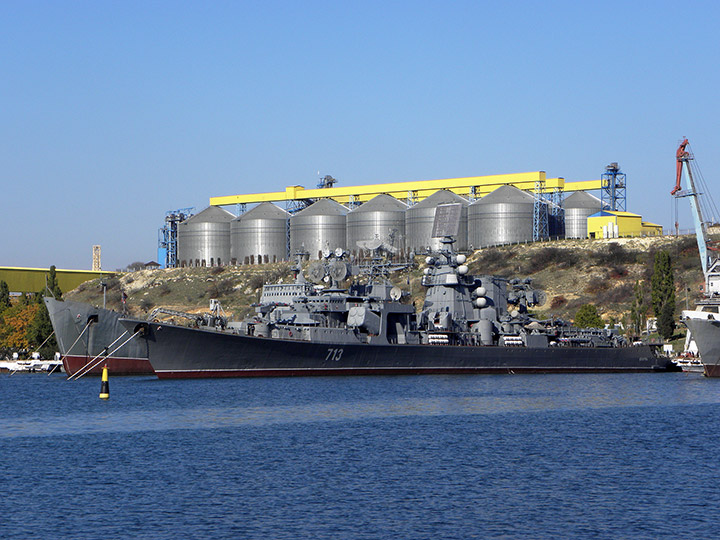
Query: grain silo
{"points": [[505, 216], [322, 225], [578, 207], [259, 235], [204, 239], [419, 220], [382, 217]]}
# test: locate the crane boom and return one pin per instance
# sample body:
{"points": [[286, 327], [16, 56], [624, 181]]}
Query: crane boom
{"points": [[710, 265]]}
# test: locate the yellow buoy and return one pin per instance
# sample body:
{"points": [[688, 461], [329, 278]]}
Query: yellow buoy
{"points": [[104, 385]]}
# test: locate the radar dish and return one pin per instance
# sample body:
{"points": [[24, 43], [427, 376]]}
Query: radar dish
{"points": [[396, 293], [326, 252], [316, 272], [372, 245], [338, 270], [447, 220]]}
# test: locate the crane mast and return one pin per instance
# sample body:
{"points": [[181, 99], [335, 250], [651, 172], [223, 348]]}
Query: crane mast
{"points": [[710, 265]]}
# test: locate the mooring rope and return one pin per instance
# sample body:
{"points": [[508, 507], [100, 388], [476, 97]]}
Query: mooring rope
{"points": [[79, 372], [44, 342], [83, 371], [78, 338]]}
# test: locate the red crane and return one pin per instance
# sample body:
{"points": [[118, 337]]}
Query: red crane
{"points": [[680, 156]]}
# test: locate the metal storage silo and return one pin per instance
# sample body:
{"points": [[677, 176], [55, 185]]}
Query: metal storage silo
{"points": [[321, 225], [578, 207], [419, 221], [381, 217], [204, 239], [505, 216], [259, 235]]}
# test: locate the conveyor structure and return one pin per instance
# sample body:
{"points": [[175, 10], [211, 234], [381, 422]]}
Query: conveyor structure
{"points": [[473, 187]]}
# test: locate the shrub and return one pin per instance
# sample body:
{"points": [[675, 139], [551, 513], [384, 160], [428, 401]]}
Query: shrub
{"points": [[601, 283], [614, 254], [616, 295], [618, 271], [113, 283], [588, 317], [256, 281], [558, 302], [220, 288], [563, 258], [491, 260]]}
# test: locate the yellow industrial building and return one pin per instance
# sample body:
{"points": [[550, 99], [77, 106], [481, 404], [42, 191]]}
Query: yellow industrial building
{"points": [[27, 280], [611, 224]]}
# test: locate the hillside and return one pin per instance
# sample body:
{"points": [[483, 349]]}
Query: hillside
{"points": [[572, 273]]}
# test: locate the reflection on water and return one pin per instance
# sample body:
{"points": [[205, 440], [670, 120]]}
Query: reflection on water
{"points": [[555, 394], [367, 458]]}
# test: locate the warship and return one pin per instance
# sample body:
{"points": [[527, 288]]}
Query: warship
{"points": [[90, 337], [467, 324]]}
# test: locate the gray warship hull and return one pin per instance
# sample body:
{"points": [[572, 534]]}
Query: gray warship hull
{"points": [[182, 352], [706, 333], [85, 334]]}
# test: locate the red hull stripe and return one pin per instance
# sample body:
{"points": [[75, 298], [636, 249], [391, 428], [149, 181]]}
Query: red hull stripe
{"points": [[712, 370], [116, 365]]}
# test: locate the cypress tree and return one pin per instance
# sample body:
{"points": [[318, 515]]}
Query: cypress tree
{"points": [[638, 310], [52, 284], [662, 294], [41, 327], [666, 321]]}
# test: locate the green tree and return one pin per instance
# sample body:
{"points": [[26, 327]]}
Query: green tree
{"points": [[638, 310], [41, 328], [52, 284], [662, 293], [666, 321], [4, 296], [588, 317]]}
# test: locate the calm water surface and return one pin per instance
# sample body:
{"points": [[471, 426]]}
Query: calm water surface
{"points": [[441, 457]]}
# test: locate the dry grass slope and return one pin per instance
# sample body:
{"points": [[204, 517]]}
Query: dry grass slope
{"points": [[572, 272]]}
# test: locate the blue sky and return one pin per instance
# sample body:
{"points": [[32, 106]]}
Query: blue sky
{"points": [[115, 112]]}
